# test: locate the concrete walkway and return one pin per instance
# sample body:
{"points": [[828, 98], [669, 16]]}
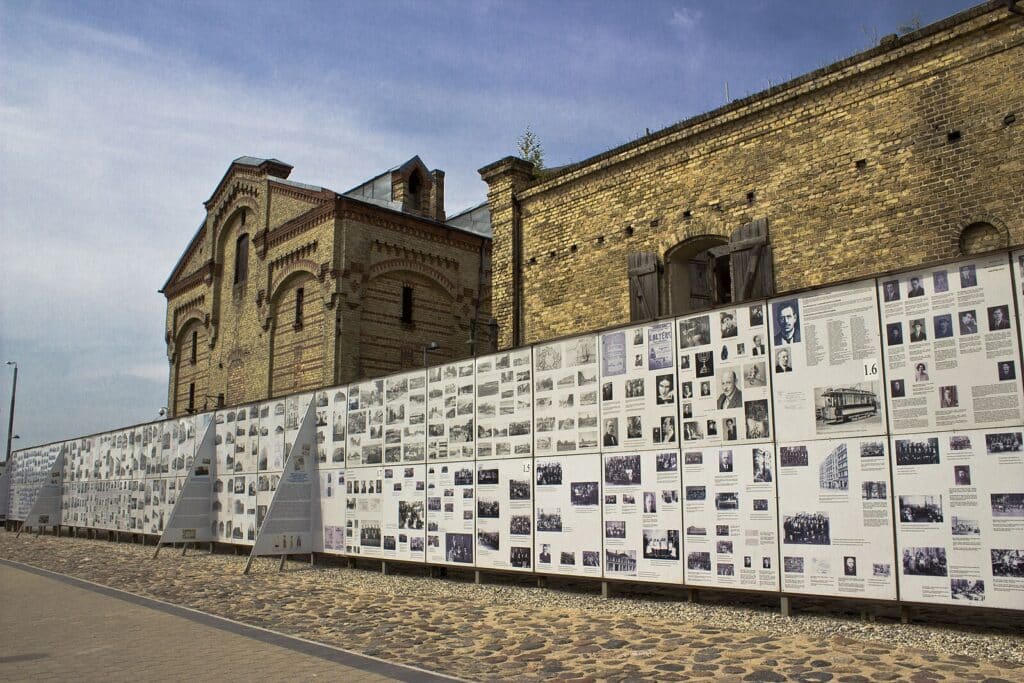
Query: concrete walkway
{"points": [[57, 628]]}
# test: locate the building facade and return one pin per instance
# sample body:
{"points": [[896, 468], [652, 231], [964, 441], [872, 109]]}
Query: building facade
{"points": [[908, 153], [287, 286]]}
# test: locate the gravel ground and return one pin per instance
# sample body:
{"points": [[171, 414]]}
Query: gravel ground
{"points": [[566, 631]]}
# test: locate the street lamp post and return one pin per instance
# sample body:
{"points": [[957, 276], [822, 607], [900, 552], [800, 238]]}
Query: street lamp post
{"points": [[10, 422], [432, 346]]}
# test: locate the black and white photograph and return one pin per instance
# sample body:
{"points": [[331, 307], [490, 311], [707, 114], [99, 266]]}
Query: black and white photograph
{"points": [[549, 474], [1008, 562], [667, 462], [812, 528], [921, 509], [1003, 442], [549, 519], [698, 561], [585, 493], [943, 326], [786, 315], [891, 290], [622, 470], [793, 565], [458, 548], [925, 561], [917, 451], [998, 318], [661, 544], [970, 590], [1007, 505], [793, 456]]}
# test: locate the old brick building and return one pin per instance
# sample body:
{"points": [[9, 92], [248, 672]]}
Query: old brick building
{"points": [[288, 286], [907, 153]]}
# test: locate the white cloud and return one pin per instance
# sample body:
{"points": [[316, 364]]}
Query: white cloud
{"points": [[686, 18]]}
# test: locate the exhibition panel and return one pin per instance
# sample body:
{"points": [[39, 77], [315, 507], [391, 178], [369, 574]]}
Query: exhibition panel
{"points": [[827, 376], [504, 404], [331, 418], [835, 518], [450, 411], [568, 487], [565, 406], [642, 517], [451, 513], [960, 521], [504, 514], [638, 389], [724, 387], [951, 347], [730, 515]]}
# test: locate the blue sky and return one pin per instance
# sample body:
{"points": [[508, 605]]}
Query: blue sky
{"points": [[117, 119]]}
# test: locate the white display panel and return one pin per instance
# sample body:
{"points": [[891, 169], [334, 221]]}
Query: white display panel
{"points": [[504, 515], [565, 399], [365, 423], [332, 511], [405, 423], [46, 506], [568, 498], [642, 518], [233, 503], [450, 411], [1017, 266], [234, 508], [724, 390], [331, 416], [451, 512], [835, 518], [828, 382], [183, 446], [288, 526], [960, 517], [730, 515], [272, 454], [191, 519], [951, 351], [295, 408], [504, 405], [385, 515], [30, 470], [638, 389]]}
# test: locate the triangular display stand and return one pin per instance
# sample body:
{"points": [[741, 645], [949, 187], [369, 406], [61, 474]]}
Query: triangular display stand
{"points": [[288, 528], [45, 510], [190, 518]]}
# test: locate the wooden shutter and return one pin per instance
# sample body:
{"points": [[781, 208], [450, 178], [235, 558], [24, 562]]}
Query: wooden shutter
{"points": [[643, 285], [753, 276]]}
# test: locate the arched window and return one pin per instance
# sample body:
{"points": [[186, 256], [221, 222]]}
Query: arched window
{"points": [[415, 188], [242, 258], [980, 237], [697, 279]]}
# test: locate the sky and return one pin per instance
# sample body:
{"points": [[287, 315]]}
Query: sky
{"points": [[117, 120]]}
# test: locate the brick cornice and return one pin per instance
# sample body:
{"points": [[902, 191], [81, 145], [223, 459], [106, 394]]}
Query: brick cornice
{"points": [[204, 275], [422, 228], [286, 231]]}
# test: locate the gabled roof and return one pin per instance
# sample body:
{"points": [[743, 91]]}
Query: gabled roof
{"points": [[184, 256]]}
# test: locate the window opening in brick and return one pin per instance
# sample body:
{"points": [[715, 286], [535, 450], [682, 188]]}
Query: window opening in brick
{"points": [[406, 304], [242, 258], [195, 343], [300, 296]]}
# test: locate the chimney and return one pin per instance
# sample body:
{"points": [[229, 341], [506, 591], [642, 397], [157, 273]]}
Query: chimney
{"points": [[437, 195]]}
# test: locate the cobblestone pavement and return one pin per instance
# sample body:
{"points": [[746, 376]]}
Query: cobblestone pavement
{"points": [[506, 630]]}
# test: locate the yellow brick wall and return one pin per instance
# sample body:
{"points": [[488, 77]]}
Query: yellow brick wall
{"points": [[351, 259], [796, 148]]}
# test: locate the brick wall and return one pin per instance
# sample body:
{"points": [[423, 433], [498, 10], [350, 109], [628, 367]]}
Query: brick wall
{"points": [[878, 162]]}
